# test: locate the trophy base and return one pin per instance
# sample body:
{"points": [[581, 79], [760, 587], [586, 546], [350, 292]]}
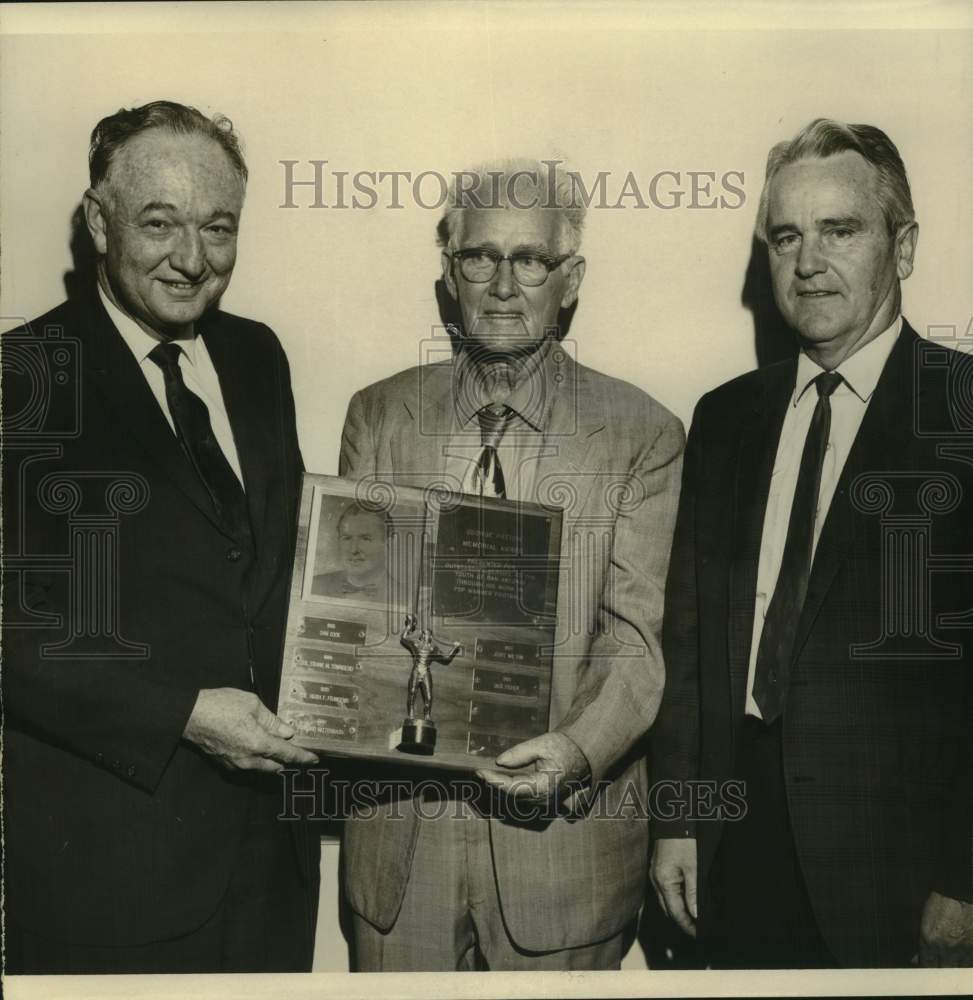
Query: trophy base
{"points": [[418, 736]]}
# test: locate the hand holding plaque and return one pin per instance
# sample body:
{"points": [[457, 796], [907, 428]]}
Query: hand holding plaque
{"points": [[419, 735]]}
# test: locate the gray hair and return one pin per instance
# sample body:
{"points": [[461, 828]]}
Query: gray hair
{"points": [[514, 183], [111, 133], [826, 137]]}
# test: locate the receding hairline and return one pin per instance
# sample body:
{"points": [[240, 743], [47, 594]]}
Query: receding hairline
{"points": [[872, 171], [106, 187]]}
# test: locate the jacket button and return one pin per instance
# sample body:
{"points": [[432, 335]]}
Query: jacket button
{"points": [[233, 555], [99, 758], [116, 764], [131, 771]]}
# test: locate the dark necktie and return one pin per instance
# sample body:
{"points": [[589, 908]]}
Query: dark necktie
{"points": [[195, 432], [493, 420], [776, 649]]}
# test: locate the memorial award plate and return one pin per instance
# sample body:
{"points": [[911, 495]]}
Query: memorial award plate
{"points": [[421, 625]]}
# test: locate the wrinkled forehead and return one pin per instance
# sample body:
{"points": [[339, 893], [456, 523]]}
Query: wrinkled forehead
{"points": [[159, 165], [510, 227], [832, 186]]}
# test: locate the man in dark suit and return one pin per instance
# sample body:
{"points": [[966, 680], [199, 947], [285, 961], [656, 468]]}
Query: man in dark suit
{"points": [[823, 542], [513, 415], [152, 474]]}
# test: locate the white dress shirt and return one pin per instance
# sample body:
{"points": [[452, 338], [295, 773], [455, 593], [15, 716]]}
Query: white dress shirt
{"points": [[197, 371], [849, 402]]}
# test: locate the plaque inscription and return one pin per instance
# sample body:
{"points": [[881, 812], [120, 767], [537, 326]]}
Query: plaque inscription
{"points": [[332, 630], [502, 682]]}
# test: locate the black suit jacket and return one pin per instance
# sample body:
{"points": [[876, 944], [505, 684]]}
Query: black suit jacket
{"points": [[123, 597], [876, 732]]}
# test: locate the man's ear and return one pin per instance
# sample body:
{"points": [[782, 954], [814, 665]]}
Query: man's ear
{"points": [[905, 249], [447, 262], [96, 219], [575, 277]]}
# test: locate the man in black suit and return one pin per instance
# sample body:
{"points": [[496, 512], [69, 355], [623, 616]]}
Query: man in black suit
{"points": [[816, 631], [151, 480]]}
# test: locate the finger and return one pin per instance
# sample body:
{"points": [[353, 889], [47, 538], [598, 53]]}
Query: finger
{"points": [[676, 908], [521, 755], [286, 753], [272, 723], [659, 894], [510, 784], [690, 889], [257, 764]]}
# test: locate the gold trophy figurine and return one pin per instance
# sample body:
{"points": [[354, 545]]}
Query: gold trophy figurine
{"points": [[419, 735]]}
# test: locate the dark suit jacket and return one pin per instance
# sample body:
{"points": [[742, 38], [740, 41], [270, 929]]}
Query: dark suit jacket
{"points": [[612, 459], [117, 831], [876, 739]]}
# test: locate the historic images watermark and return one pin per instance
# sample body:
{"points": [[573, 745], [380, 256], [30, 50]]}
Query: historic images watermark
{"points": [[43, 411], [908, 505], [318, 794], [317, 184]]}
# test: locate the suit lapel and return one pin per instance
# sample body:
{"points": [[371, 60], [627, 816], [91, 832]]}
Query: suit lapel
{"points": [[422, 427], [756, 451], [880, 437], [118, 379], [575, 427]]}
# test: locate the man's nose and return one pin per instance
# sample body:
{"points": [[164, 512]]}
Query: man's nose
{"points": [[503, 285], [188, 256], [810, 260]]}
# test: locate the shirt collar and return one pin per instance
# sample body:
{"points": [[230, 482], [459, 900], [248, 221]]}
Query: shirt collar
{"points": [[530, 400], [140, 342], [861, 370]]}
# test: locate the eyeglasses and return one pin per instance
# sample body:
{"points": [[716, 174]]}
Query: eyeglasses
{"points": [[479, 265]]}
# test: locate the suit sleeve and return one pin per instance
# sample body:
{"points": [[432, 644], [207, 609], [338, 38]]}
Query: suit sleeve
{"points": [[358, 452], [954, 877], [118, 713], [954, 874], [619, 692], [675, 737]]}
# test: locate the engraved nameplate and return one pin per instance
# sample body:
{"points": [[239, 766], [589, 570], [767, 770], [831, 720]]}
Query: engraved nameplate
{"points": [[490, 715], [317, 726], [328, 660], [515, 653], [500, 682], [332, 630], [333, 695]]}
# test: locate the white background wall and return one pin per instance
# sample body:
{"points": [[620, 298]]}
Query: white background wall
{"points": [[616, 87]]}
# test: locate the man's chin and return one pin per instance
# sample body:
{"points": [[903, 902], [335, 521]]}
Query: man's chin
{"points": [[173, 320], [502, 345]]}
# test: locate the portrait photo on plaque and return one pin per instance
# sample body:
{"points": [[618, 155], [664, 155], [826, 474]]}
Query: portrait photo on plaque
{"points": [[350, 556]]}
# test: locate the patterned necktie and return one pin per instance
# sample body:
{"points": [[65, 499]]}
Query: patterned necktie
{"points": [[776, 649], [195, 432], [488, 478]]}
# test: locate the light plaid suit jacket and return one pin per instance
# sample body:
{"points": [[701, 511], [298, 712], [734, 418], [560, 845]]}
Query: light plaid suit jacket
{"points": [[613, 461]]}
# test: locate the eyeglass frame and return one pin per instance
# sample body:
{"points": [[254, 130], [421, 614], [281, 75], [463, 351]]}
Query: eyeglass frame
{"points": [[551, 263]]}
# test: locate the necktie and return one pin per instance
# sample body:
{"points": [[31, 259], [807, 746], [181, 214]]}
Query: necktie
{"points": [[776, 649], [488, 476], [195, 432]]}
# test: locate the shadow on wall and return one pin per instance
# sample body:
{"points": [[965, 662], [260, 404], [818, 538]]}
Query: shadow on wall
{"points": [[84, 259], [773, 339]]}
